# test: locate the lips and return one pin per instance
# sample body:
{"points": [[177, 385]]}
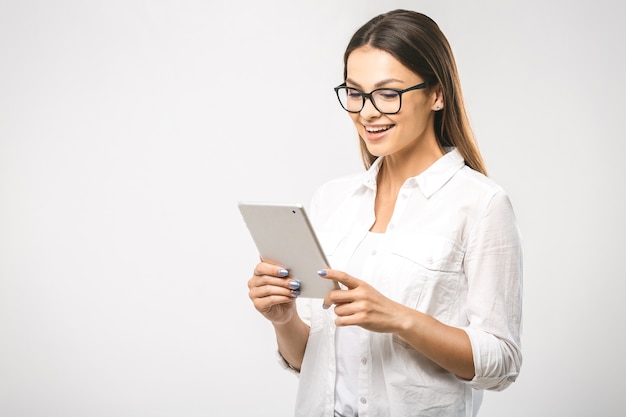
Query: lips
{"points": [[376, 132], [377, 129]]}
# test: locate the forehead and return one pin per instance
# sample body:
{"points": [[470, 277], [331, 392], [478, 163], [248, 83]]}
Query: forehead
{"points": [[368, 66]]}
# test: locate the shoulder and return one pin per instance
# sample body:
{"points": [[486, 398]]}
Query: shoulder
{"points": [[489, 198], [476, 193], [471, 185], [478, 181]]}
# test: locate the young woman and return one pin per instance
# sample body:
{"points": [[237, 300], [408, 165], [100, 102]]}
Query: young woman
{"points": [[425, 247]]}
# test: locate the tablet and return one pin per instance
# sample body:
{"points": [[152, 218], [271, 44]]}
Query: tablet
{"points": [[283, 235]]}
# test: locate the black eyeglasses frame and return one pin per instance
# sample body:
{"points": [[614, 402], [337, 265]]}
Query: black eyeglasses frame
{"points": [[366, 96]]}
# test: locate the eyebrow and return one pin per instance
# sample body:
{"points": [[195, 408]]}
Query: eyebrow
{"points": [[377, 85]]}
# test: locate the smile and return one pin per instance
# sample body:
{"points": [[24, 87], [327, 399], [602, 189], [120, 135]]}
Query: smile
{"points": [[377, 129]]}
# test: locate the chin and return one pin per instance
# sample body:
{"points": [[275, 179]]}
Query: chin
{"points": [[377, 151]]}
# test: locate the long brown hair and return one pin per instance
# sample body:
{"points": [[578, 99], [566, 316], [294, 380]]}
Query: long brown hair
{"points": [[416, 41]]}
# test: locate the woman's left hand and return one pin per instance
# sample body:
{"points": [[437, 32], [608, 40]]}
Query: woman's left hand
{"points": [[362, 305]]}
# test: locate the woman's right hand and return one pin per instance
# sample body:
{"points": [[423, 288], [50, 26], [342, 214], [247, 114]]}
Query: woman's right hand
{"points": [[273, 292]]}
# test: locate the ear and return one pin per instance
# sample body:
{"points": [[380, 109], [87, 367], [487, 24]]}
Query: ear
{"points": [[438, 101]]}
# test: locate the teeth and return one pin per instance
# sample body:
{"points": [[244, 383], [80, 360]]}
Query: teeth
{"points": [[373, 129]]}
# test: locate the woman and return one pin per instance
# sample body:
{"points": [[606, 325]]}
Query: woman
{"points": [[425, 246]]}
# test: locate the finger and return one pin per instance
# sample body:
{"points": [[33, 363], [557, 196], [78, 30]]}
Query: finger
{"points": [[266, 303], [336, 297], [348, 320], [349, 281], [347, 309], [268, 281], [265, 268], [339, 297], [267, 295]]}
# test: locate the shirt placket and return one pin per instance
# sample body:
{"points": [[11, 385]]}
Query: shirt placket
{"points": [[364, 400], [401, 203]]}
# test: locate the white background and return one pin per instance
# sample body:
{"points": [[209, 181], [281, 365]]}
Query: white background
{"points": [[130, 129]]}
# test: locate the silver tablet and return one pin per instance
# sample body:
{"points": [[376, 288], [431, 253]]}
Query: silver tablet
{"points": [[283, 235]]}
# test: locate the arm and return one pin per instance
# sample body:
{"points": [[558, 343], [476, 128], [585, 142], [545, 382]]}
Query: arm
{"points": [[292, 337], [447, 346], [271, 294], [486, 351], [493, 266], [364, 306]]}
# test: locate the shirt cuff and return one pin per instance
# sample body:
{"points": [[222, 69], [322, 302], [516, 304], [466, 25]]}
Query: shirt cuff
{"points": [[497, 362], [286, 365]]}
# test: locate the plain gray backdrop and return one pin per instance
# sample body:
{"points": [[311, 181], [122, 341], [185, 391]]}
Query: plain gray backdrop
{"points": [[130, 129]]}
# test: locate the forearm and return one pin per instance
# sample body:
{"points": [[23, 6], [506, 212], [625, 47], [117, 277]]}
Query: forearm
{"points": [[292, 338], [447, 346]]}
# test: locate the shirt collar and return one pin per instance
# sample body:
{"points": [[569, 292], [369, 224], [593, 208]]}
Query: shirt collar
{"points": [[371, 174], [429, 181]]}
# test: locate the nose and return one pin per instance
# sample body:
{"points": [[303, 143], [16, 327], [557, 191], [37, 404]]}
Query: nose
{"points": [[369, 111]]}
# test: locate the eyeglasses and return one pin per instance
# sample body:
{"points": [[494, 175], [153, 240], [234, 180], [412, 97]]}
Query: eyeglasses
{"points": [[385, 100]]}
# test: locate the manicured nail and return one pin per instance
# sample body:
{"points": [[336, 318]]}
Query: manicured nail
{"points": [[321, 272], [295, 292], [294, 284], [324, 305], [283, 272]]}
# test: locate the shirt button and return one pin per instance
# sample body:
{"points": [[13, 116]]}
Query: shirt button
{"points": [[391, 226], [363, 400], [374, 252], [363, 361]]}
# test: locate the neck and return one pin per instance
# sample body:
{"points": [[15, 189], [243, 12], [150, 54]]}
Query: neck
{"points": [[396, 169]]}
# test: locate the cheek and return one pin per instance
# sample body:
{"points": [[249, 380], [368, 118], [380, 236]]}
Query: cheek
{"points": [[413, 119]]}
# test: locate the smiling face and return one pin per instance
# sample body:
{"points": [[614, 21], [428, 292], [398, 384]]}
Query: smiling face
{"points": [[410, 132]]}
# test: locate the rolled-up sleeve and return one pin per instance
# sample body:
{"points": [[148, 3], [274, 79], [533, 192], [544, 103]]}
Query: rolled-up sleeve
{"points": [[493, 266]]}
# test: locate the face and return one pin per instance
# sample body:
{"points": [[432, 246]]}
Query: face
{"points": [[397, 135]]}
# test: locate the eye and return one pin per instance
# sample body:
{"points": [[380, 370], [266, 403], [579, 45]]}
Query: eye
{"points": [[387, 94], [353, 94]]}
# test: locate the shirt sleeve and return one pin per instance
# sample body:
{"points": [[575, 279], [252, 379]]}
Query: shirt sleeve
{"points": [[285, 365], [493, 266]]}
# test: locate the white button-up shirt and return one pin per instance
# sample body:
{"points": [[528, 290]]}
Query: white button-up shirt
{"points": [[451, 250]]}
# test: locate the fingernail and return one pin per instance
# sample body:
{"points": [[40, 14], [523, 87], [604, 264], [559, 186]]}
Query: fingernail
{"points": [[283, 272], [324, 305], [295, 292], [294, 284], [321, 272]]}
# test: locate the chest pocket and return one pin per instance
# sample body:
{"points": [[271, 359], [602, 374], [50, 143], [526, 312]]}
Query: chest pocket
{"points": [[433, 252], [423, 271]]}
